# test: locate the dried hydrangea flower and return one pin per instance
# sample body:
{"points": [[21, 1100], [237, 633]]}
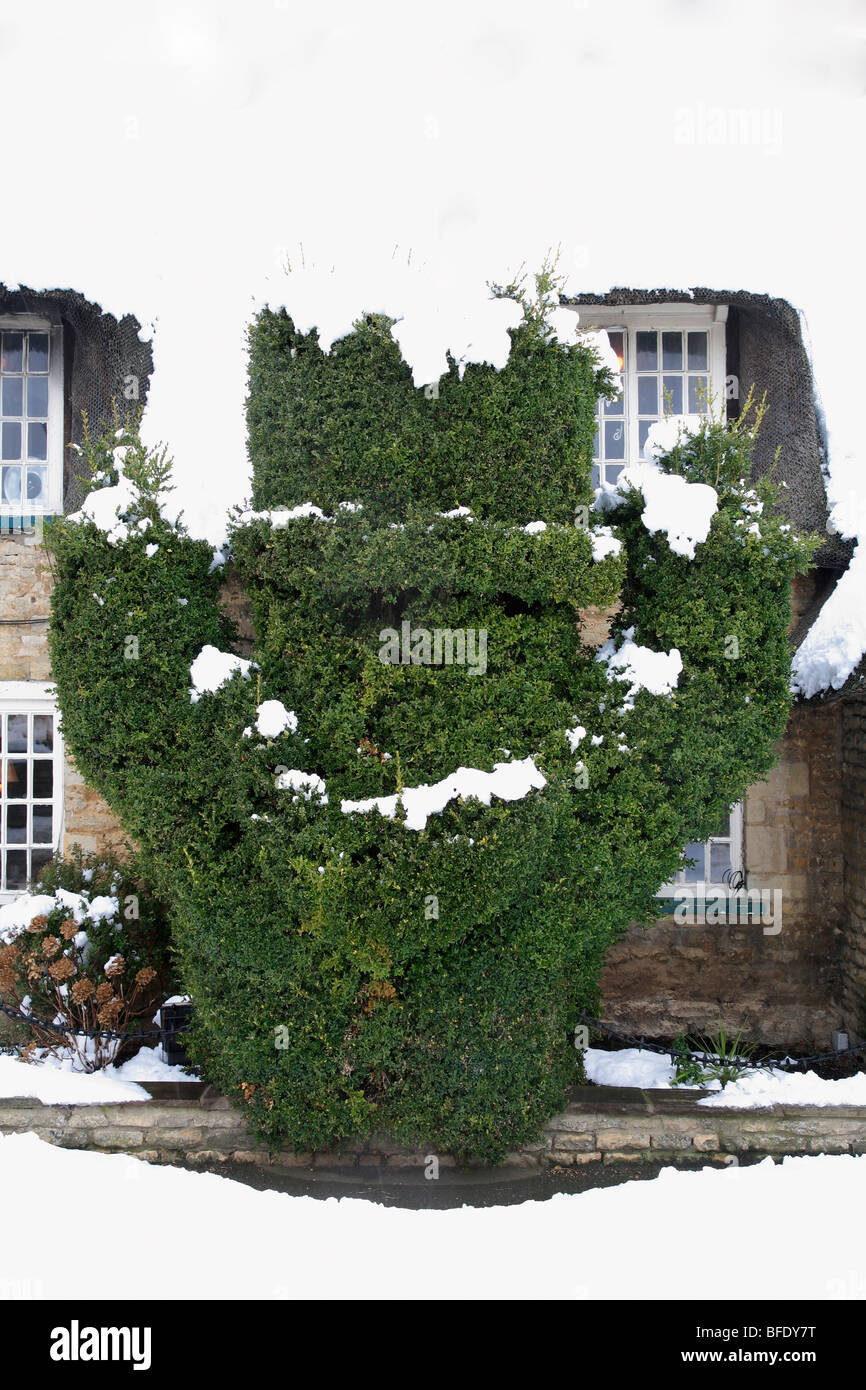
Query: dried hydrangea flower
{"points": [[61, 969], [50, 945], [38, 923], [81, 991], [108, 1013], [115, 966], [104, 992], [69, 928], [145, 975]]}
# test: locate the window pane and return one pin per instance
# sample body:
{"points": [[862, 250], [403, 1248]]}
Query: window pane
{"points": [[697, 874], [16, 825], [13, 352], [720, 861], [37, 440], [16, 869], [614, 407], [17, 733], [672, 352], [13, 395], [38, 859], [43, 779], [37, 480], [596, 449], [15, 787], [672, 391], [647, 395], [612, 471], [595, 476], [43, 818], [11, 446], [43, 733], [614, 439], [616, 342], [647, 352], [643, 429], [37, 396], [11, 485], [698, 352], [37, 352], [698, 388]]}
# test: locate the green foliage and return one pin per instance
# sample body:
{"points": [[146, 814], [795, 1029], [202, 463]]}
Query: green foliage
{"points": [[353, 976], [687, 1069], [714, 1057]]}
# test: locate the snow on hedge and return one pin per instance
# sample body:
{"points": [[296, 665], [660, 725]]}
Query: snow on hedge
{"points": [[273, 719], [212, 668], [683, 511], [309, 784], [644, 669], [509, 781], [104, 507], [789, 1227], [604, 542]]}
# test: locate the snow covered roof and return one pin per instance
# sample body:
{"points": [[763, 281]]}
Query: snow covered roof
{"points": [[765, 348]]}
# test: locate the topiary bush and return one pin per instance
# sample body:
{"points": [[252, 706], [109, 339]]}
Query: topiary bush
{"points": [[361, 963]]}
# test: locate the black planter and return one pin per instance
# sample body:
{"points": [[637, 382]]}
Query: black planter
{"points": [[176, 1018]]}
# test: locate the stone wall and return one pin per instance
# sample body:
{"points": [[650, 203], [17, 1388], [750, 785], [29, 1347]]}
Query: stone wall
{"points": [[25, 598], [785, 988], [853, 715], [600, 1125]]}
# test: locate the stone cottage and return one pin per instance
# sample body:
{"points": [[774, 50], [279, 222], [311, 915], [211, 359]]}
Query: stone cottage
{"points": [[800, 834]]}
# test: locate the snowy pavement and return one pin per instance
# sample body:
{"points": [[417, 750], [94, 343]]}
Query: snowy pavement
{"points": [[792, 1230]]}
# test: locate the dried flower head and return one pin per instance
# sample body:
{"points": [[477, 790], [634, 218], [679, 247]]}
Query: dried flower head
{"points": [[104, 992], [69, 928], [81, 991], [109, 1012], [34, 968], [38, 923], [50, 946], [61, 969], [145, 975], [115, 967]]}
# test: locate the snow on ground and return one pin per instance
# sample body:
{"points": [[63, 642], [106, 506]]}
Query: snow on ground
{"points": [[797, 1230], [631, 1066], [56, 1081]]}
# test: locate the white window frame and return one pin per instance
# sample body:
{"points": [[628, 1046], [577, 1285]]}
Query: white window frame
{"points": [[33, 697], [53, 503], [678, 316], [705, 888]]}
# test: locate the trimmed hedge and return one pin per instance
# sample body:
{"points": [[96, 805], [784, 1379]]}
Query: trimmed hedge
{"points": [[351, 975]]}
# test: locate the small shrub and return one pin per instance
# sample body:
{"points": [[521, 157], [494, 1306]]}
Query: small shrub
{"points": [[82, 953]]}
